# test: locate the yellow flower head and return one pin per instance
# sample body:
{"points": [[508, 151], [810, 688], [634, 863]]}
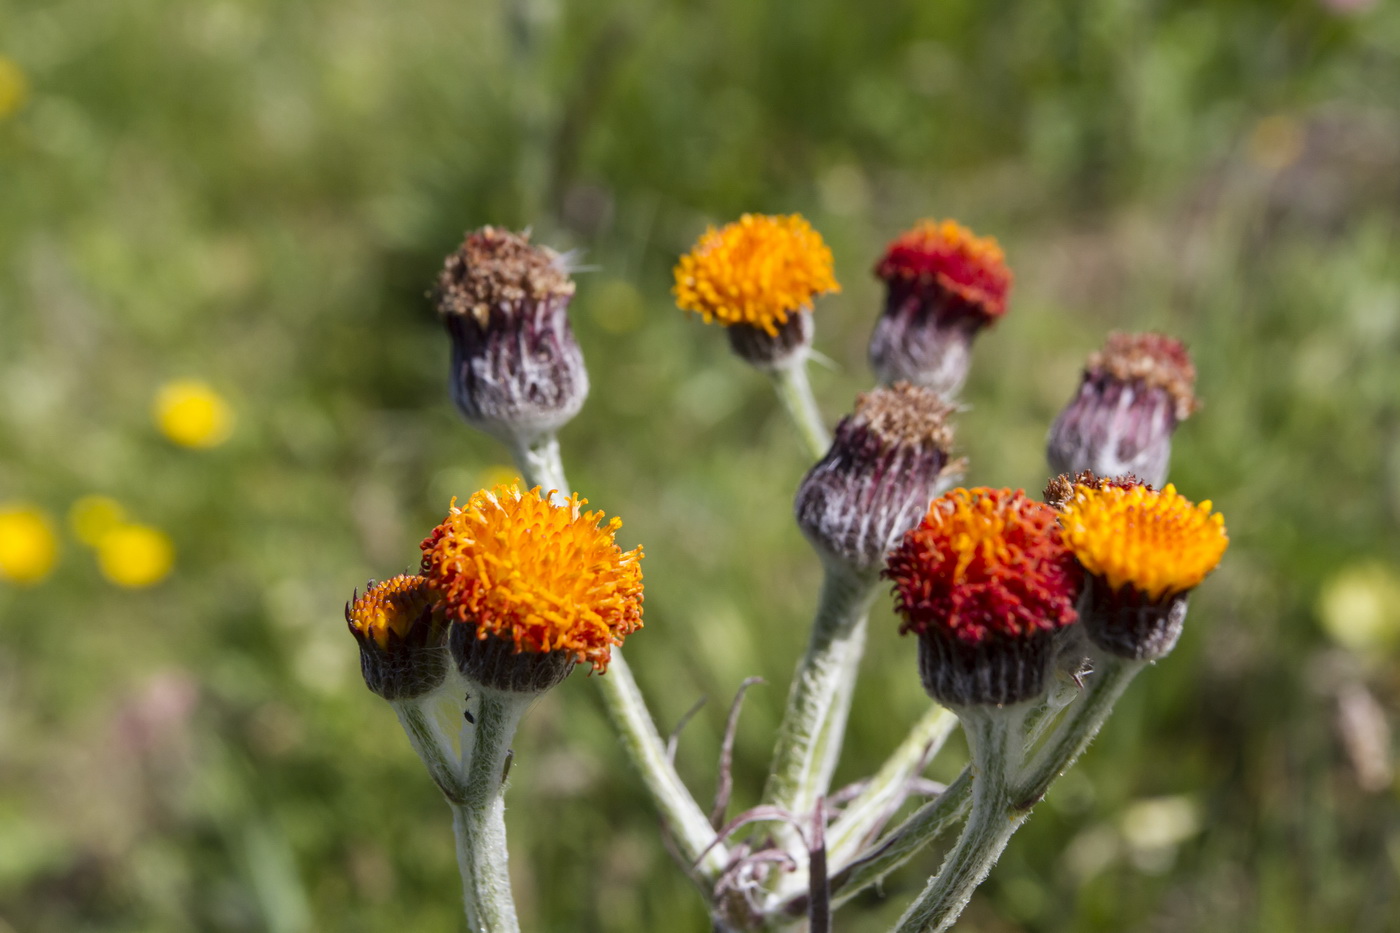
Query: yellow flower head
{"points": [[135, 556], [543, 575], [28, 544], [756, 271], [1158, 543], [399, 606], [192, 414]]}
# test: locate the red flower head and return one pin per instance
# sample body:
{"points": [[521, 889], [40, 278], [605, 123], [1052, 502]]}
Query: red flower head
{"points": [[985, 581]]}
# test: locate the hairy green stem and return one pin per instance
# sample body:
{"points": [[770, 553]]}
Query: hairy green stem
{"points": [[689, 826], [1001, 803], [1077, 729], [793, 388], [429, 740], [814, 723], [888, 788], [478, 821], [541, 465], [922, 827], [997, 742]]}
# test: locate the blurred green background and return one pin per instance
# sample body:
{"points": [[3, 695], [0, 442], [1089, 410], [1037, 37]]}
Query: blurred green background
{"points": [[256, 195]]}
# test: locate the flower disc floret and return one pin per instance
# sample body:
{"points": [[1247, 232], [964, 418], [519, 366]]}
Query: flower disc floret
{"points": [[393, 607], [985, 564], [937, 257], [1157, 543], [536, 571], [756, 271]]}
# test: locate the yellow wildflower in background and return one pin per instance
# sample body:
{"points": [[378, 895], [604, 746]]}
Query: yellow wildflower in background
{"points": [[14, 87], [28, 544], [135, 556], [192, 414], [92, 517]]}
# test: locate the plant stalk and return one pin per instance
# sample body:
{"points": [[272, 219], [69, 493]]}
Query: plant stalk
{"points": [[795, 390], [814, 722], [541, 465], [478, 821], [997, 742]]}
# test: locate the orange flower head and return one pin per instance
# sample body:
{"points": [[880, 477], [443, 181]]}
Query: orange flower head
{"points": [[984, 565], [402, 637], [758, 271], [1158, 544], [935, 260], [537, 572], [395, 610]]}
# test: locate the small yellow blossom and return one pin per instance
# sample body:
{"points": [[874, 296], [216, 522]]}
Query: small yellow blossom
{"points": [[28, 544], [92, 517], [192, 414], [135, 556], [756, 271], [1158, 543], [14, 88]]}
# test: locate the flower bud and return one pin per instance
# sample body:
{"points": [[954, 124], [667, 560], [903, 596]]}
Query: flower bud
{"points": [[517, 371], [888, 460], [1142, 552], [758, 277], [1134, 392], [402, 638], [985, 583], [943, 285], [533, 585]]}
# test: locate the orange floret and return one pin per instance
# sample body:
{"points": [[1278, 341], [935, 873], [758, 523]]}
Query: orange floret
{"points": [[545, 576], [985, 563], [1158, 543], [394, 607], [756, 271]]}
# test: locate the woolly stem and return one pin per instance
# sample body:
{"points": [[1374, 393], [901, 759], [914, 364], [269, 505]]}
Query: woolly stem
{"points": [[795, 390], [478, 821], [814, 723]]}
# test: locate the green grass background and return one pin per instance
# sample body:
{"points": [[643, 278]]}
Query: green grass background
{"points": [[258, 194]]}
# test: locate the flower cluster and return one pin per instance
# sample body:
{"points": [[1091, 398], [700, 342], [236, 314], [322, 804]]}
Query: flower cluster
{"points": [[519, 587], [1011, 601]]}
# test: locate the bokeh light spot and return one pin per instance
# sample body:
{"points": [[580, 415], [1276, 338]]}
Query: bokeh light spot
{"points": [[135, 556], [14, 87], [28, 544], [192, 414], [92, 517]]}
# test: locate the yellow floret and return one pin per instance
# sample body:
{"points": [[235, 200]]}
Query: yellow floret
{"points": [[756, 271], [1158, 543]]}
